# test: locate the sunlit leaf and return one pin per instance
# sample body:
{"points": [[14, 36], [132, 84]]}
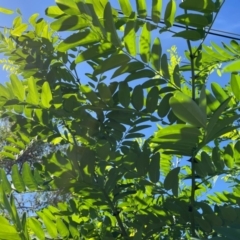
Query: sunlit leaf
{"points": [[190, 19], [69, 7], [18, 88]]}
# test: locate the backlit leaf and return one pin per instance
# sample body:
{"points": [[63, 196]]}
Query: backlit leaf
{"points": [[141, 8], [126, 7], [6, 11], [17, 179], [28, 178], [170, 12], [156, 10], [69, 7], [156, 54], [33, 95], [235, 85], [145, 41], [110, 26], [130, 38], [79, 39], [95, 52], [46, 95], [69, 23], [17, 87], [36, 227], [112, 62], [187, 110]]}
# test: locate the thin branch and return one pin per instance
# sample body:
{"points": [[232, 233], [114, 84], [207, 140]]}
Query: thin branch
{"points": [[120, 223]]}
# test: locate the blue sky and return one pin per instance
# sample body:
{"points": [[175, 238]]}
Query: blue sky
{"points": [[228, 20]]}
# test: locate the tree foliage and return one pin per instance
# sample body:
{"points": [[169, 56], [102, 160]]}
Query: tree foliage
{"points": [[98, 91]]}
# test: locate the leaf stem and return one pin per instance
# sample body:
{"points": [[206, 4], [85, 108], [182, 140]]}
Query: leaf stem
{"points": [[120, 223]]}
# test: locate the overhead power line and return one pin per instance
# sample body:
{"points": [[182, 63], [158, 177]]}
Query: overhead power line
{"points": [[214, 32]]}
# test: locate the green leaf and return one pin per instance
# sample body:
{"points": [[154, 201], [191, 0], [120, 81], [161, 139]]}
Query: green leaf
{"points": [[126, 7], [154, 168], [164, 106], [95, 51], [216, 158], [194, 20], [17, 87], [170, 12], [218, 92], [235, 85], [156, 10], [112, 62], [17, 179], [6, 11], [124, 94], [46, 95], [189, 35], [79, 39], [152, 100], [141, 8], [28, 178], [177, 76], [164, 67], [212, 102], [137, 98], [52, 11], [36, 227], [19, 30], [69, 23], [62, 228], [206, 6], [187, 110], [171, 181], [203, 101], [130, 38], [237, 152], [110, 26], [33, 95], [229, 233], [145, 73], [5, 183], [179, 138], [50, 225], [90, 94], [69, 7], [156, 54], [228, 156], [105, 93], [145, 41]]}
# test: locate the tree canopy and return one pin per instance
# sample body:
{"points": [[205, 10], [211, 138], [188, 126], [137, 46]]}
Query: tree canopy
{"points": [[145, 135]]}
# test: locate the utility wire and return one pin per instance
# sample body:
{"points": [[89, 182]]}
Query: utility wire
{"points": [[214, 32]]}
